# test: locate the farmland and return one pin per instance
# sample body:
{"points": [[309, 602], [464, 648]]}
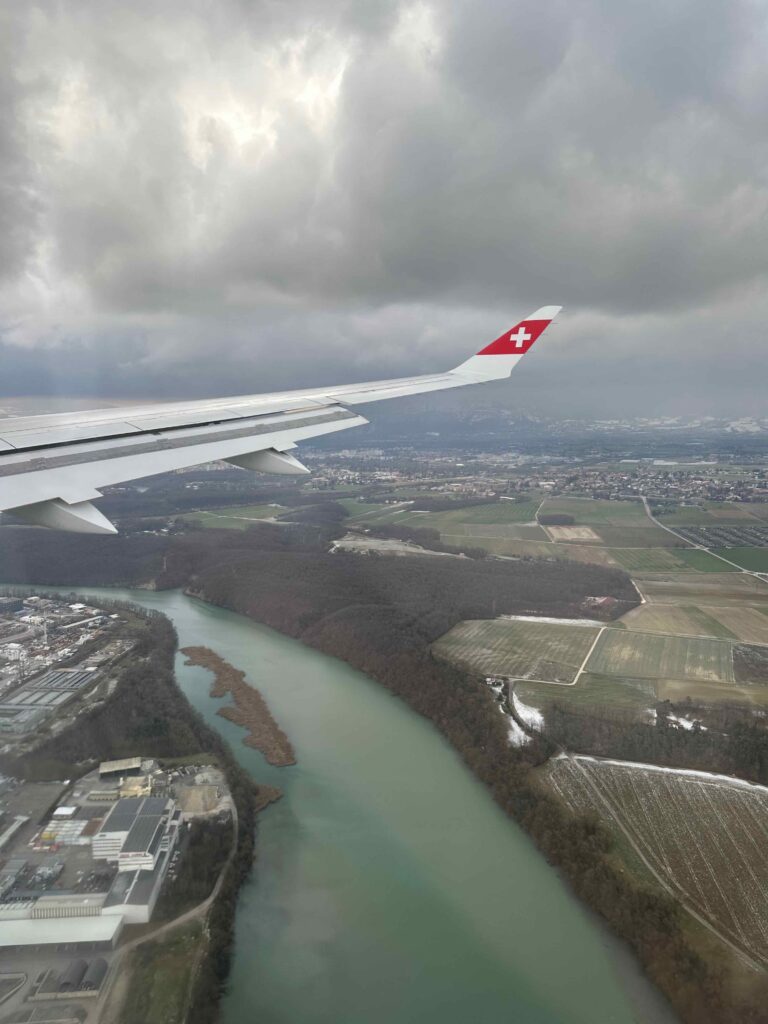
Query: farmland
{"points": [[702, 561], [649, 560], [604, 532], [755, 559], [626, 667], [710, 514], [727, 588], [748, 624], [595, 512], [592, 691], [652, 656], [701, 836], [682, 619], [666, 560], [514, 647], [580, 534], [238, 518], [647, 536]]}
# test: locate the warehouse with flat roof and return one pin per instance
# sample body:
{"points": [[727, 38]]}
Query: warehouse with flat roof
{"points": [[79, 934], [135, 832]]}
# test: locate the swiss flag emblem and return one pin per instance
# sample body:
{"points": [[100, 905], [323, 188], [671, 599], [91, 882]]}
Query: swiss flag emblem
{"points": [[517, 341]]}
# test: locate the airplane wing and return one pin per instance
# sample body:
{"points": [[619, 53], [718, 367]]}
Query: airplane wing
{"points": [[52, 466]]}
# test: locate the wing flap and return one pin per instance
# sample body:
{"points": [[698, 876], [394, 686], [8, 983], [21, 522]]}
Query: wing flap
{"points": [[66, 457], [73, 473]]}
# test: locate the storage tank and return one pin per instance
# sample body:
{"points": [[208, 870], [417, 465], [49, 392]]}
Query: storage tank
{"points": [[95, 974], [71, 979]]}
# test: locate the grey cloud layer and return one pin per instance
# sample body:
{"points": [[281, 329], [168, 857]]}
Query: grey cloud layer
{"points": [[198, 197]]}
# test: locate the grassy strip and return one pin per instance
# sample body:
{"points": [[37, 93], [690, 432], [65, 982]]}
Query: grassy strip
{"points": [[161, 977]]}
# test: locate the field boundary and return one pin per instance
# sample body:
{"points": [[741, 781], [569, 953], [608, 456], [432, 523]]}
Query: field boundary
{"points": [[700, 547], [583, 665]]}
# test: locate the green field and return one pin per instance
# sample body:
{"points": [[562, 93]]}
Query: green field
{"points": [[498, 513], [589, 511], [647, 536], [361, 509], [647, 656], [233, 518], [495, 512], [755, 559], [498, 531], [591, 691], [702, 561], [161, 975], [679, 619], [666, 560], [713, 514], [649, 560], [748, 624], [506, 647], [723, 588]]}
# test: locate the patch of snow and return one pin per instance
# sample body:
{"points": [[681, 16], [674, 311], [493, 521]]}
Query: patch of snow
{"points": [[517, 737], [693, 773], [685, 723], [556, 622], [532, 717]]}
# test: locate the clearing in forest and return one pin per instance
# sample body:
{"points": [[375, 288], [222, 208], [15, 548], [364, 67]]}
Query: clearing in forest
{"points": [[702, 836], [548, 651]]}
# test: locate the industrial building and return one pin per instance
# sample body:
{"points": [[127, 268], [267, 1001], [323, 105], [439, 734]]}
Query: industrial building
{"points": [[31, 703], [136, 831], [119, 769], [92, 933]]}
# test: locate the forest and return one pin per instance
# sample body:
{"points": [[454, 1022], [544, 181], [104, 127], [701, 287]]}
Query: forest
{"points": [[739, 746]]}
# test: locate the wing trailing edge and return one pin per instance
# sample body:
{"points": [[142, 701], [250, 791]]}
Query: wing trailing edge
{"points": [[52, 466]]}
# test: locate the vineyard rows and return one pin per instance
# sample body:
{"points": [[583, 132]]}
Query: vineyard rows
{"points": [[706, 837]]}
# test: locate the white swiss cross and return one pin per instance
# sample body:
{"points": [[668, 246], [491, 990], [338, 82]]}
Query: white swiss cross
{"points": [[519, 337]]}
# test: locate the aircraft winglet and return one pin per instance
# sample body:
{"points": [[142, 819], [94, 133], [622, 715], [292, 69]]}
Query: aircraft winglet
{"points": [[498, 359]]}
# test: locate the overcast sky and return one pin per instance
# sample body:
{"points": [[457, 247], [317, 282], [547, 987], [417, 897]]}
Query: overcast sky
{"points": [[223, 197]]}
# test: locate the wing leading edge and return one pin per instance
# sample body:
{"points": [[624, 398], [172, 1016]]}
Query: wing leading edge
{"points": [[52, 466]]}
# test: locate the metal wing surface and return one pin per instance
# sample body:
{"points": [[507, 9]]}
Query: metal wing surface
{"points": [[51, 467]]}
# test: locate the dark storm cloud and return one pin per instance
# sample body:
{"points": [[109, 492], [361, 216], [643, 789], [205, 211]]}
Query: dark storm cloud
{"points": [[251, 195]]}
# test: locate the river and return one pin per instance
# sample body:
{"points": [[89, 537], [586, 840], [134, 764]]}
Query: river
{"points": [[389, 888]]}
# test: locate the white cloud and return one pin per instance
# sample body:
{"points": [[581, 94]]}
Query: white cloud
{"points": [[346, 189]]}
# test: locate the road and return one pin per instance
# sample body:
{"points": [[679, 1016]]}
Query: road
{"points": [[700, 547], [111, 1000]]}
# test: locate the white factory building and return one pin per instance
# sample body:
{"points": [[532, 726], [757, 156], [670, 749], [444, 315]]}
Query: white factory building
{"points": [[136, 832]]}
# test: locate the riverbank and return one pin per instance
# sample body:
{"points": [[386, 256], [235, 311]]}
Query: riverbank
{"points": [[249, 710], [391, 643], [387, 885]]}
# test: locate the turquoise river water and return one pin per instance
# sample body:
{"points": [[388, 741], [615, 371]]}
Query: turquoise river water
{"points": [[388, 887]]}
